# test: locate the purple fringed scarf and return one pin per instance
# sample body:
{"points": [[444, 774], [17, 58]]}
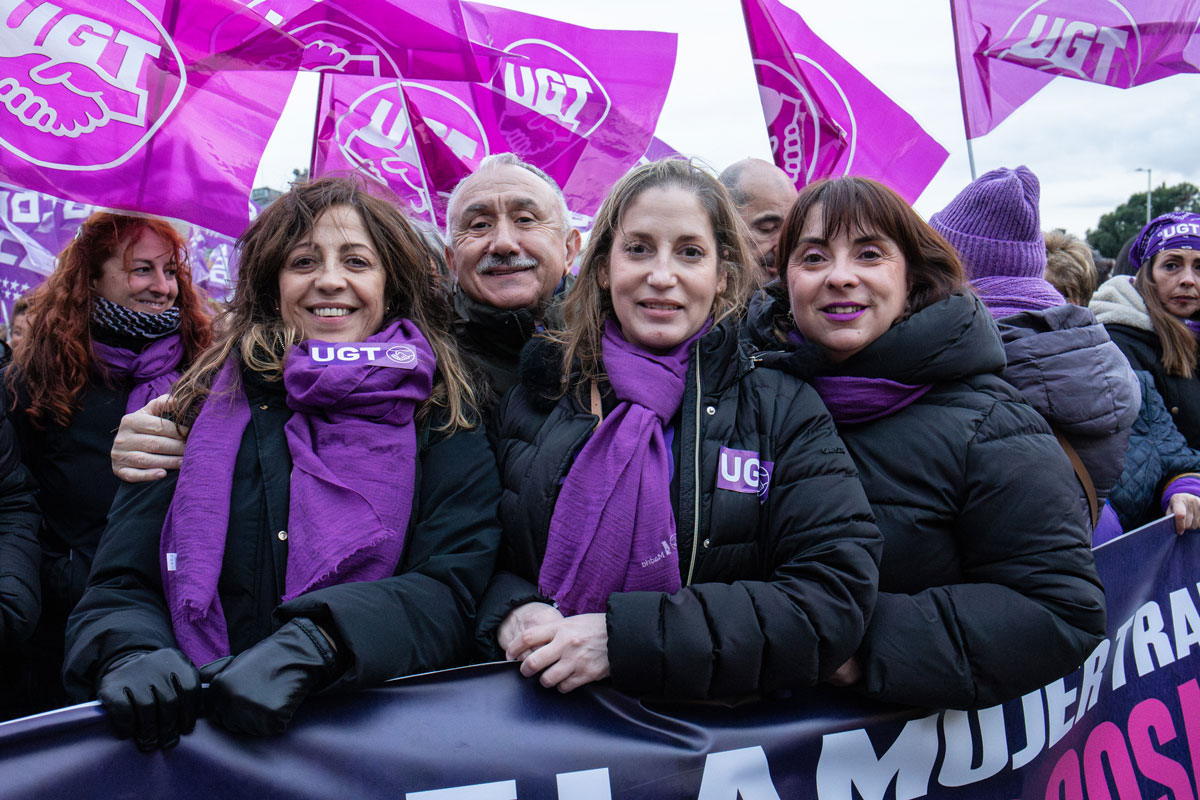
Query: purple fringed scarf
{"points": [[152, 371], [852, 399], [353, 446], [613, 529], [1006, 295]]}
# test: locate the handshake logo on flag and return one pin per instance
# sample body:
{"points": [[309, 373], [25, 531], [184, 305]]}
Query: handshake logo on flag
{"points": [[806, 140], [65, 74]]}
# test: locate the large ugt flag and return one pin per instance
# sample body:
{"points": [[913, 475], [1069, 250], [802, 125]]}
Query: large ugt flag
{"points": [[823, 117], [140, 106], [1009, 49]]}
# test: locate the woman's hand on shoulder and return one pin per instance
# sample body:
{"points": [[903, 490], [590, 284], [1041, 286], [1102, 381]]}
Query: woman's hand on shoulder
{"points": [[568, 653], [511, 634], [147, 444]]}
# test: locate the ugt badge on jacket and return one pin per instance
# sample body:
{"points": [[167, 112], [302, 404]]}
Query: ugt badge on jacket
{"points": [[743, 471]]}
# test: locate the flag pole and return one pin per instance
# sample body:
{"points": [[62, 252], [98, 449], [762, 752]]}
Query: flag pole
{"points": [[312, 157], [962, 96]]}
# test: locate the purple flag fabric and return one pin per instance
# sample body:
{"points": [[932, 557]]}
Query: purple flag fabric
{"points": [[604, 85], [118, 104], [412, 39], [823, 117], [421, 138], [1009, 49], [658, 150]]}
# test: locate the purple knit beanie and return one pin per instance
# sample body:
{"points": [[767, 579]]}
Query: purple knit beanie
{"points": [[995, 226]]}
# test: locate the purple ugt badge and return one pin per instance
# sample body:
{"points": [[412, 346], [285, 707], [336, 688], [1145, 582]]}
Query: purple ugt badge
{"points": [[743, 471]]}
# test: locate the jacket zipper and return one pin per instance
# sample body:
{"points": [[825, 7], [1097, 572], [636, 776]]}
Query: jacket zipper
{"points": [[695, 478]]}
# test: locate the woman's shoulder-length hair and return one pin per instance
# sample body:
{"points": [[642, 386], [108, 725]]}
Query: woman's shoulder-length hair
{"points": [[589, 303], [849, 205], [57, 363], [252, 328]]}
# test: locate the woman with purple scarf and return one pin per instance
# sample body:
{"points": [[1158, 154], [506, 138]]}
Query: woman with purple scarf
{"points": [[676, 518], [114, 325], [987, 586], [334, 520]]}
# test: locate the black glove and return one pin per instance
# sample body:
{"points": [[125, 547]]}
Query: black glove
{"points": [[257, 692], [153, 696]]}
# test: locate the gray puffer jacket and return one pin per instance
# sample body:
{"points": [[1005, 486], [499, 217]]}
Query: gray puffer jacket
{"points": [[1066, 366]]}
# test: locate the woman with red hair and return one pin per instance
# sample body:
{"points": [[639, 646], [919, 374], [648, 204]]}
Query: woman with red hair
{"points": [[115, 324]]}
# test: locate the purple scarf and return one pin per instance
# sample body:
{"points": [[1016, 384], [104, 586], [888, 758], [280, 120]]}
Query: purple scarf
{"points": [[1006, 295], [152, 371], [353, 446], [1193, 326], [613, 529], [852, 400]]}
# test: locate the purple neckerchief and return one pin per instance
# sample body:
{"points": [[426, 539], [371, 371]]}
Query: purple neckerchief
{"points": [[1193, 326], [152, 371], [1184, 484], [613, 529], [353, 446], [1006, 295], [851, 399]]}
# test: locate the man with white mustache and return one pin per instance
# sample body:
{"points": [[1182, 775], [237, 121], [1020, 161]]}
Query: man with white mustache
{"points": [[510, 246]]}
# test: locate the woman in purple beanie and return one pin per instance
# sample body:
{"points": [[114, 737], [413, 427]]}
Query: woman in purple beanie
{"points": [[334, 520], [986, 549], [1058, 356], [675, 518]]}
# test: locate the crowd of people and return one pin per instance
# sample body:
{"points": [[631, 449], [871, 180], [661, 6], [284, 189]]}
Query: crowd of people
{"points": [[745, 440]]}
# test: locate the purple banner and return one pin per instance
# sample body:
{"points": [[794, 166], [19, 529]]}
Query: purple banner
{"points": [[1125, 725], [1009, 49], [825, 119], [127, 106]]}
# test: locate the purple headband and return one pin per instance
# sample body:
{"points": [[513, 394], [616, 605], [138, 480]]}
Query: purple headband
{"points": [[1179, 230]]}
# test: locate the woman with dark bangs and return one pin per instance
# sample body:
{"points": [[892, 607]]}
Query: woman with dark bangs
{"points": [[334, 519], [116, 324], [986, 548]]}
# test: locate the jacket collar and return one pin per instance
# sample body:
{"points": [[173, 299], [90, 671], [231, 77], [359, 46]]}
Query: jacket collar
{"points": [[1118, 302]]}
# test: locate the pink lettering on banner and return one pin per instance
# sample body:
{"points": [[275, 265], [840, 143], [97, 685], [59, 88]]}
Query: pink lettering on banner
{"points": [[399, 356], [743, 471]]}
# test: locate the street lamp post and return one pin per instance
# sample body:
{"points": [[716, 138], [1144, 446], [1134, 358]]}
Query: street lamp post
{"points": [[1148, 172]]}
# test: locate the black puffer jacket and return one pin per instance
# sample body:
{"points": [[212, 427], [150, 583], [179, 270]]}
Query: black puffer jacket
{"points": [[421, 619], [20, 555], [1121, 309], [776, 592], [987, 585]]}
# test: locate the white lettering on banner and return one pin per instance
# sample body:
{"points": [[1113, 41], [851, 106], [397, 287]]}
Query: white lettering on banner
{"points": [[1059, 700], [25, 209], [737, 775], [592, 784], [848, 761], [960, 750], [501, 790]]}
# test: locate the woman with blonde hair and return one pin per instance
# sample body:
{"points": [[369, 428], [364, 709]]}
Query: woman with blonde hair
{"points": [[333, 522], [675, 517]]}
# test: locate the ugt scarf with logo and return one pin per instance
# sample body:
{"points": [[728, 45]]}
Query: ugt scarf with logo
{"points": [[612, 526], [353, 445]]}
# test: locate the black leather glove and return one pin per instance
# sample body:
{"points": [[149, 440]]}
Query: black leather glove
{"points": [[258, 691], [153, 696]]}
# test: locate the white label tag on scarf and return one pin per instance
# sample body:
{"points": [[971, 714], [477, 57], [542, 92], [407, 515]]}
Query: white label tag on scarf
{"points": [[400, 356], [172, 558]]}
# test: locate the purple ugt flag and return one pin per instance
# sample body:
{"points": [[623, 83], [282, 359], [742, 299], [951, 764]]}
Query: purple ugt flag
{"points": [[1009, 49], [607, 86], [122, 104], [421, 137], [823, 117]]}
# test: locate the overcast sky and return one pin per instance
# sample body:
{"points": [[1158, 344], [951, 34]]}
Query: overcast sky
{"points": [[1084, 141]]}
